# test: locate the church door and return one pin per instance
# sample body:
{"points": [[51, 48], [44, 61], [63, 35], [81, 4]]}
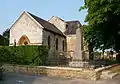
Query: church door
{"points": [[24, 40]]}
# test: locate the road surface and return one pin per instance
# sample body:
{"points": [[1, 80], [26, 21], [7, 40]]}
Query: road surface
{"points": [[15, 78]]}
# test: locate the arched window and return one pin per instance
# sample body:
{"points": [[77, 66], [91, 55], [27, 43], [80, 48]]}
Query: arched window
{"points": [[24, 40], [63, 45], [49, 42], [56, 43]]}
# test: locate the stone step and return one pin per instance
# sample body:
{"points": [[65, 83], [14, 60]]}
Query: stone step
{"points": [[112, 75], [106, 72], [108, 76], [103, 77]]}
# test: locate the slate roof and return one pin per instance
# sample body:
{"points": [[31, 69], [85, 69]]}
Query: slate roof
{"points": [[48, 26], [71, 27]]}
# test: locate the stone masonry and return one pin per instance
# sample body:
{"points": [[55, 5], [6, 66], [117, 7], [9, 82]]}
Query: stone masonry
{"points": [[26, 26], [32, 30]]}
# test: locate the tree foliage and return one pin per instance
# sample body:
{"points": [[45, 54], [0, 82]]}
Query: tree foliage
{"points": [[3, 41], [4, 38], [103, 29], [6, 34]]}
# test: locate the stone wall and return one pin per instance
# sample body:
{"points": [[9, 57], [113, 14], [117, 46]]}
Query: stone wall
{"points": [[71, 41], [53, 71], [26, 26], [53, 37], [55, 56], [59, 23], [67, 72]]}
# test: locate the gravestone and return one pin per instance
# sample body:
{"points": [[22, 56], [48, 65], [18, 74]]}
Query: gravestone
{"points": [[79, 58]]}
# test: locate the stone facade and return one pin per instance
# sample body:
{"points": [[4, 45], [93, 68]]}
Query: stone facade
{"points": [[59, 23], [32, 30], [53, 38], [69, 29], [28, 27]]}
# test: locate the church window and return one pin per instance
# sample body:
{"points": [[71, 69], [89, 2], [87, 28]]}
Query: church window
{"points": [[49, 42], [56, 43], [63, 45]]}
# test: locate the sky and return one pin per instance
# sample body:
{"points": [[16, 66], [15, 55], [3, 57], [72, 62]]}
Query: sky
{"points": [[10, 10]]}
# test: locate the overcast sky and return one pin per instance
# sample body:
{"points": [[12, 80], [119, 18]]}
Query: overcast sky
{"points": [[67, 10]]}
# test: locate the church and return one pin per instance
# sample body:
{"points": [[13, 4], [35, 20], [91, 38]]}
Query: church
{"points": [[57, 34]]}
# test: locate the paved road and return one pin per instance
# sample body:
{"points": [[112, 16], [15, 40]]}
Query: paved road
{"points": [[13, 78]]}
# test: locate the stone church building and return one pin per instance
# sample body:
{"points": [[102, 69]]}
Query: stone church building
{"points": [[57, 34]]}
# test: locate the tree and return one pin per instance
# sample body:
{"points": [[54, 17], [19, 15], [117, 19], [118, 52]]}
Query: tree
{"points": [[4, 38], [6, 34], [3, 41], [103, 29]]}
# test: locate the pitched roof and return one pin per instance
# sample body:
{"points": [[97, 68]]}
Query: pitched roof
{"points": [[71, 27], [57, 18], [47, 25]]}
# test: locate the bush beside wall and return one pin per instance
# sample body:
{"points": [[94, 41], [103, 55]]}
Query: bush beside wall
{"points": [[24, 55], [3, 41]]}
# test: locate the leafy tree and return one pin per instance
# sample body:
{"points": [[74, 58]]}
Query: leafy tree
{"points": [[6, 34], [3, 41], [103, 29]]}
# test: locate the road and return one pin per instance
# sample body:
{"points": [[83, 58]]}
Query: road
{"points": [[14, 78]]}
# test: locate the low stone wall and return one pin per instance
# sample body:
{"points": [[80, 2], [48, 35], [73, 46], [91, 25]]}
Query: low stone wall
{"points": [[52, 71], [90, 74]]}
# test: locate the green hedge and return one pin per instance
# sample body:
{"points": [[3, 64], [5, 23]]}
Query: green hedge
{"points": [[24, 55], [3, 41]]}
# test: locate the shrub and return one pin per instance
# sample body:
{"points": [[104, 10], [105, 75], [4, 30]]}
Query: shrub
{"points": [[4, 41], [24, 55]]}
